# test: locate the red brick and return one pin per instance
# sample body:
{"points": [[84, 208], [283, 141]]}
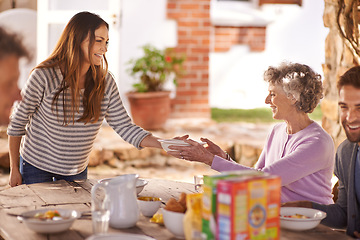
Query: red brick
{"points": [[171, 5], [186, 93], [182, 33], [200, 15], [189, 6], [200, 50], [192, 58], [177, 15], [187, 41], [199, 84], [199, 101], [205, 76], [178, 101], [200, 67]]}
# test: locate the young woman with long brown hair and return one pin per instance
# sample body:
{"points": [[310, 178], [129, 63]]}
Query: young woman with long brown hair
{"points": [[64, 103]]}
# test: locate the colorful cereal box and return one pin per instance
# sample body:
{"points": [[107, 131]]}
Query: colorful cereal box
{"points": [[209, 199], [248, 208]]}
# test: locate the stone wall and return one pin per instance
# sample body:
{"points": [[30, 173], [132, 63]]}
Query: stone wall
{"points": [[338, 58]]}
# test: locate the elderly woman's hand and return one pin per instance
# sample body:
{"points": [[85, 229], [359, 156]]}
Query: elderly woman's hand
{"points": [[195, 152], [214, 149]]}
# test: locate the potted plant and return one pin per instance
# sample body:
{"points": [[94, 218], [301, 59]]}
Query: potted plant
{"points": [[149, 101]]}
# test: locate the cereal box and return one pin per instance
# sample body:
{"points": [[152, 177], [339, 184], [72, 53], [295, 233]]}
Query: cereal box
{"points": [[248, 208], [209, 199]]}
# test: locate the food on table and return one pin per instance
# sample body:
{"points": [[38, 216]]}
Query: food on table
{"points": [[157, 218], [48, 215], [149, 199], [298, 216], [182, 199], [177, 206], [193, 217]]}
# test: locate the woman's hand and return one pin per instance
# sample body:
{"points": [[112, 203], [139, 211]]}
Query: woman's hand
{"points": [[195, 152], [213, 148], [15, 178]]}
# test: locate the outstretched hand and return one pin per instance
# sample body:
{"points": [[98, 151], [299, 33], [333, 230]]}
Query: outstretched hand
{"points": [[194, 152], [213, 148]]}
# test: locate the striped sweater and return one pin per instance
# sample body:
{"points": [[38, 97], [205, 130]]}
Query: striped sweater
{"points": [[48, 143]]}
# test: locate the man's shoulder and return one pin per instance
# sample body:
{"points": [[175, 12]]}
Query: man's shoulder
{"points": [[346, 144], [346, 148]]}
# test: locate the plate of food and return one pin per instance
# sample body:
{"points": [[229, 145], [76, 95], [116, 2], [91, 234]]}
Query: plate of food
{"points": [[297, 218], [49, 220]]}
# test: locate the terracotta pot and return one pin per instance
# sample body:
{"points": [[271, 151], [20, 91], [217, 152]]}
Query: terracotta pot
{"points": [[150, 110]]}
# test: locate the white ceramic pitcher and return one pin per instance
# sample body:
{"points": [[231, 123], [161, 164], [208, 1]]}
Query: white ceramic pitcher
{"points": [[120, 197]]}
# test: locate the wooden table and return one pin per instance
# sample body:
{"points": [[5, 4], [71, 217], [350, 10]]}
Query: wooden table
{"points": [[76, 195]]}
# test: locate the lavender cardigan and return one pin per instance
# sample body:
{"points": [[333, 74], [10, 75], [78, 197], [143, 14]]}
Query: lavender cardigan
{"points": [[304, 161]]}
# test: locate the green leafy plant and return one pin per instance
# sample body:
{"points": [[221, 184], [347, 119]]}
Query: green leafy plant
{"points": [[155, 68]]}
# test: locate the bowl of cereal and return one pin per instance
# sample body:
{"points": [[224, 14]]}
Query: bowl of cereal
{"points": [[173, 215], [173, 222], [297, 218], [49, 220], [149, 205]]}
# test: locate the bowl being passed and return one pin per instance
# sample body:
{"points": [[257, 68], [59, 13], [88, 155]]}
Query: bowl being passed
{"points": [[165, 143], [55, 225], [149, 205], [297, 218], [173, 221], [140, 184]]}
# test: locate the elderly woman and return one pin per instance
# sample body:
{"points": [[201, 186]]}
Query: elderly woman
{"points": [[298, 150]]}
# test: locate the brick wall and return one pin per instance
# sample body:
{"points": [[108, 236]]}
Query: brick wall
{"points": [[194, 31], [225, 37]]}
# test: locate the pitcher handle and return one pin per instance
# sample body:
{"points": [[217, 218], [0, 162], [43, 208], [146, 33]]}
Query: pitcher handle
{"points": [[95, 201]]}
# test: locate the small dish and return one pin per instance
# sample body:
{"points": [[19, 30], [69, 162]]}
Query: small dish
{"points": [[140, 184], [173, 221], [296, 218], [165, 143], [149, 205], [55, 225]]}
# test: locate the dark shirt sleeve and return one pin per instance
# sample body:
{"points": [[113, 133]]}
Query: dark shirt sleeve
{"points": [[336, 214]]}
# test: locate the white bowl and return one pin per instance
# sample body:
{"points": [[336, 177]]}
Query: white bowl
{"points": [[170, 142], [149, 205], [313, 219], [140, 184], [68, 216], [173, 221], [165, 143]]}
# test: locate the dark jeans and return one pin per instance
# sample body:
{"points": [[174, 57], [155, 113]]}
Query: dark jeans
{"points": [[31, 174]]}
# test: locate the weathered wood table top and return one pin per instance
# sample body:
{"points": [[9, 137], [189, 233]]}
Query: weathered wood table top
{"points": [[76, 195]]}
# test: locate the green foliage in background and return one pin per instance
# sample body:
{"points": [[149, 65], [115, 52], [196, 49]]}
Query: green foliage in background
{"points": [[257, 115]]}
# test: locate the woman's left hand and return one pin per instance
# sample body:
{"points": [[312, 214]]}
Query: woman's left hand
{"points": [[195, 152]]}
